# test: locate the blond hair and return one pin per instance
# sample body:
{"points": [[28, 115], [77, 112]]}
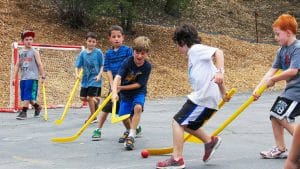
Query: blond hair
{"points": [[141, 43]]}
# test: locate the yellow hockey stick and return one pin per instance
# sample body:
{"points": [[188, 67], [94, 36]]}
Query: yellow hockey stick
{"points": [[87, 123], [168, 150], [114, 118], [45, 102], [67, 107]]}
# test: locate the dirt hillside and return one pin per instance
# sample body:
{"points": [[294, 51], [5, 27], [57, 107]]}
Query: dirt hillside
{"points": [[245, 62]]}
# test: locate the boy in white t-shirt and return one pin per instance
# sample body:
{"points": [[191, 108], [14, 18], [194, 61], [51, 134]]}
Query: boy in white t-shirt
{"points": [[206, 79]]}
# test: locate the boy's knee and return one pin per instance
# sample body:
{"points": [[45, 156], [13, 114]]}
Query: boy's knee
{"points": [[83, 99], [138, 108], [90, 98]]}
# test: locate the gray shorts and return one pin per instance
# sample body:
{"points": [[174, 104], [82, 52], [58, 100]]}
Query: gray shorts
{"points": [[285, 108]]}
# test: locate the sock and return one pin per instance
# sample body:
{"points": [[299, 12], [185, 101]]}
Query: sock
{"points": [[36, 106], [132, 132], [24, 109], [99, 129]]}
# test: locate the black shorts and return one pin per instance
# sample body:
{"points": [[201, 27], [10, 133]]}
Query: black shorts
{"points": [[285, 108], [90, 91], [193, 115], [108, 107]]}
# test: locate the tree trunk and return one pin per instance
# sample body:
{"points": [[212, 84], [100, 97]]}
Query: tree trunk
{"points": [[172, 8]]}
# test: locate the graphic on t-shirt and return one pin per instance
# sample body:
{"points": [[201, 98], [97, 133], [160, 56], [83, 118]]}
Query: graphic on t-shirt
{"points": [[25, 61], [287, 60], [90, 68], [131, 76]]}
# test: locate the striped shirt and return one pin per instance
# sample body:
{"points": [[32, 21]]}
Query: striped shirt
{"points": [[114, 59]]}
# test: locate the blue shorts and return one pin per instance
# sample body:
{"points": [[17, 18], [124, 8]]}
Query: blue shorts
{"points": [[29, 89], [127, 105]]}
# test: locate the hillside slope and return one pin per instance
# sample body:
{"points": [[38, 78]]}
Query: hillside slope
{"points": [[245, 62], [235, 18]]}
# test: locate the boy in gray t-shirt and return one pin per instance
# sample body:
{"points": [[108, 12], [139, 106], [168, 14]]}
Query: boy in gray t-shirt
{"points": [[286, 107], [30, 66]]}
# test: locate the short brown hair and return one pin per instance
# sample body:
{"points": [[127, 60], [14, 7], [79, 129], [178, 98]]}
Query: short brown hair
{"points": [[286, 22], [141, 43], [115, 28], [91, 35]]}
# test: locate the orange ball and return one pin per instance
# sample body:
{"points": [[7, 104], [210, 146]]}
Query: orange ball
{"points": [[145, 153]]}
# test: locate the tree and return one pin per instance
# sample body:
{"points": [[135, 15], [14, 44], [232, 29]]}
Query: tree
{"points": [[124, 10], [174, 7], [75, 13], [79, 13]]}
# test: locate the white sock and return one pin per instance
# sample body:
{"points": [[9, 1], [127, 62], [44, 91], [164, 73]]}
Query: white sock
{"points": [[132, 133]]}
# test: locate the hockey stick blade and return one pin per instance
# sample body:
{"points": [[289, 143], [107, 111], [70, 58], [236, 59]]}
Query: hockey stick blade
{"points": [[81, 130], [114, 118]]}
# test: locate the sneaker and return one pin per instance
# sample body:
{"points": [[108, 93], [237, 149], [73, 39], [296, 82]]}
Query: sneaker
{"points": [[22, 115], [138, 131], [274, 153], [128, 144], [123, 137], [94, 121], [96, 135], [171, 164], [211, 147], [37, 111]]}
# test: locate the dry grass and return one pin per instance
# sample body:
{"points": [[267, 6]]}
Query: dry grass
{"points": [[245, 62]]}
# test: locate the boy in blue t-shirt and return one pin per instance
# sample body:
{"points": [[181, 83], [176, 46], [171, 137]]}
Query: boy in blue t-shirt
{"points": [[113, 60], [131, 81], [91, 61]]}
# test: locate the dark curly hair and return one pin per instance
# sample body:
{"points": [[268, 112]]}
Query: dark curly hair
{"points": [[186, 34]]}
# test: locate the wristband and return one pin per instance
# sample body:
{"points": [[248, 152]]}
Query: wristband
{"points": [[220, 70]]}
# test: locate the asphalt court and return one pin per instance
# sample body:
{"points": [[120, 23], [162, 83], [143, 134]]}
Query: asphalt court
{"points": [[27, 144]]}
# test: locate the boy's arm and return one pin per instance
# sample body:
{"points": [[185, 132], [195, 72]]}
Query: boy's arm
{"points": [[285, 75], [293, 157], [130, 87], [267, 76], [77, 70], [222, 89], [142, 80], [98, 77], [219, 58], [16, 71], [40, 65]]}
